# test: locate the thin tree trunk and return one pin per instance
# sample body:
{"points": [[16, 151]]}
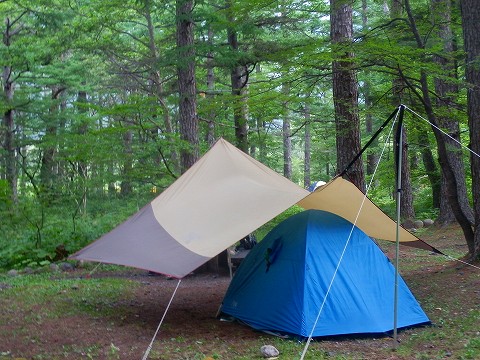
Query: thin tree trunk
{"points": [[156, 84], [307, 179], [82, 165], [210, 135], [126, 187], [8, 119], [287, 136], [238, 77], [10, 152], [431, 168], [372, 157], [47, 169]]}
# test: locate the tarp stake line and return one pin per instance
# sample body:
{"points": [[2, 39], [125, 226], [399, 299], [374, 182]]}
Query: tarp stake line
{"points": [[443, 132], [348, 239], [147, 352], [94, 269], [461, 261]]}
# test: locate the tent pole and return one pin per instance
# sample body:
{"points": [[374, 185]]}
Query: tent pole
{"points": [[399, 145]]}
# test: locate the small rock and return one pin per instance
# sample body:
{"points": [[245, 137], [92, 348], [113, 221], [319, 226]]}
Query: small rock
{"points": [[12, 273], [428, 222], [418, 224], [269, 351], [54, 267], [64, 266], [4, 286], [28, 270]]}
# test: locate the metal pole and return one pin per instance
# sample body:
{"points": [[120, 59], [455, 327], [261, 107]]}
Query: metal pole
{"points": [[399, 140]]}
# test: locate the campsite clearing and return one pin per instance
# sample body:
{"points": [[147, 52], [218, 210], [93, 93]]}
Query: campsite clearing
{"points": [[114, 313]]}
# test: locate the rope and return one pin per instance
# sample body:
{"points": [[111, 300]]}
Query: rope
{"points": [[147, 352], [461, 261], [464, 147], [443, 132], [305, 349], [94, 269]]}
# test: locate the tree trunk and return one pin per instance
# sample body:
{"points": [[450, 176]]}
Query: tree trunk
{"points": [[210, 135], [407, 212], [444, 159], [156, 83], [8, 124], [447, 91], [430, 165], [8, 119], [287, 135], [470, 23], [345, 93], [82, 165], [372, 157], [238, 77], [307, 179], [187, 87], [126, 187], [48, 177]]}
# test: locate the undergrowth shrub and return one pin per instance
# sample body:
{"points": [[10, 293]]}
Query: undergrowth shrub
{"points": [[27, 241]]}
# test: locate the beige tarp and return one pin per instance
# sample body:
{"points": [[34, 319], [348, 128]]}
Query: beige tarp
{"points": [[343, 198], [223, 197]]}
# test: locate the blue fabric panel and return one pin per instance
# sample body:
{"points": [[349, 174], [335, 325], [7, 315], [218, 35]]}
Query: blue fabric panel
{"points": [[307, 249]]}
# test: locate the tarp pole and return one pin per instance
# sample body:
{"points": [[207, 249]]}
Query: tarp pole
{"points": [[399, 145]]}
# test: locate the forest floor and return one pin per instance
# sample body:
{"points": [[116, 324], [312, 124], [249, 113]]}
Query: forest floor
{"points": [[78, 319]]}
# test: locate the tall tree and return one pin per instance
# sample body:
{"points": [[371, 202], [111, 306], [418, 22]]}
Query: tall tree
{"points": [[407, 211], [287, 134], [187, 87], [307, 147], [238, 79], [13, 26], [345, 91], [447, 91], [470, 10], [446, 162]]}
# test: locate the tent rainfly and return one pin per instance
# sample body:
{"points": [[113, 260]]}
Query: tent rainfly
{"points": [[284, 281]]}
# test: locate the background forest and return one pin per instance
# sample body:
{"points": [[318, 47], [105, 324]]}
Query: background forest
{"points": [[105, 103]]}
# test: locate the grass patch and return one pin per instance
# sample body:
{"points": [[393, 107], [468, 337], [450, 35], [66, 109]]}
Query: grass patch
{"points": [[43, 296]]}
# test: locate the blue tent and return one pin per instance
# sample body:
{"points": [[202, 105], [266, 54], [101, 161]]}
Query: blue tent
{"points": [[281, 284]]}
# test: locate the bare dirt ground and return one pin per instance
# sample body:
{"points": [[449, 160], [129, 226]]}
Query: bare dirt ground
{"points": [[191, 330]]}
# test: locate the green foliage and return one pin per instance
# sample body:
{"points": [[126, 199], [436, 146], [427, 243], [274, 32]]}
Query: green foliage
{"points": [[18, 238]]}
